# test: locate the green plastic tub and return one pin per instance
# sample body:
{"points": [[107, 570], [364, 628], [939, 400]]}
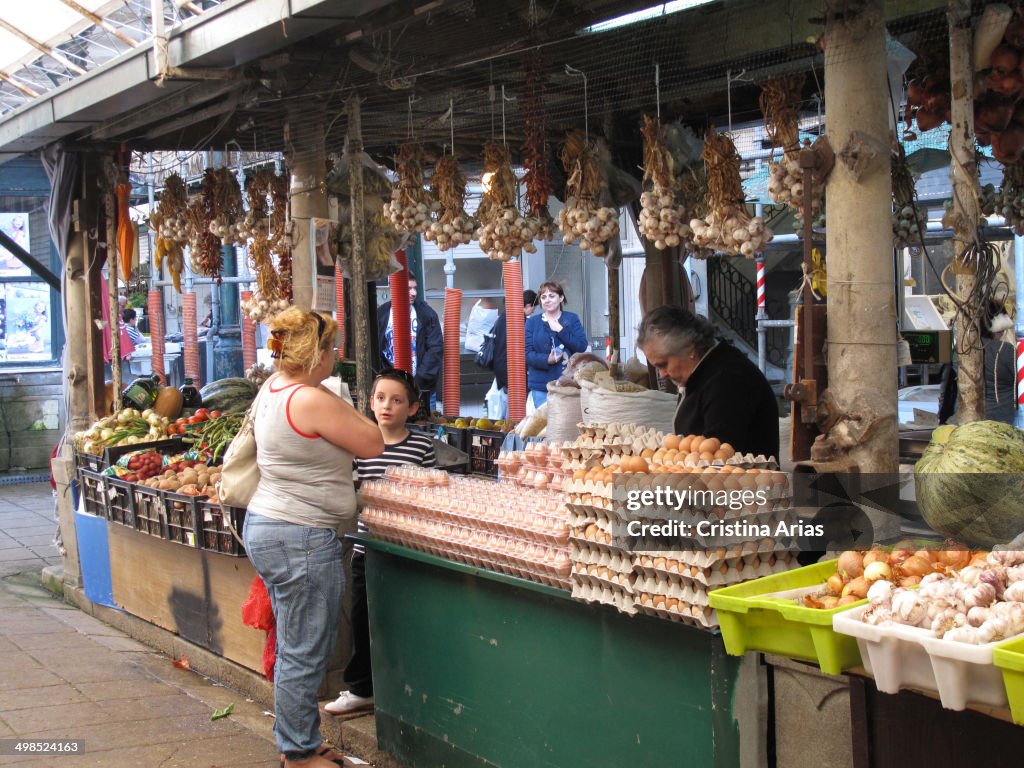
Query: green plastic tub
{"points": [[751, 619], [1009, 657]]}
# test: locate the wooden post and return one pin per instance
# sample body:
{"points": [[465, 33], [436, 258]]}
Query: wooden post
{"points": [[614, 332], [74, 296], [93, 315], [110, 202], [861, 289], [361, 320], [963, 173]]}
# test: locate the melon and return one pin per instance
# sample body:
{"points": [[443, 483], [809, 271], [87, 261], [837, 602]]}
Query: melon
{"points": [[970, 483]]}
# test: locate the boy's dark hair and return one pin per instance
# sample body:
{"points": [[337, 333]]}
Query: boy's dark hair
{"points": [[129, 314], [529, 298], [397, 374]]}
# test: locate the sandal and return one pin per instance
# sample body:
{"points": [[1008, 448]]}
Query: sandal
{"points": [[325, 752]]}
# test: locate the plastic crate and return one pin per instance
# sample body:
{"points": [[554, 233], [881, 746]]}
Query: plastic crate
{"points": [[150, 507], [901, 657], [120, 501], [170, 446], [1009, 657], [88, 461], [484, 447], [182, 519], [456, 437], [94, 496], [214, 533], [762, 615]]}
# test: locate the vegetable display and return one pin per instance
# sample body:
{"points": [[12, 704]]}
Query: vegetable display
{"points": [[126, 427], [411, 207], [583, 218], [969, 485], [454, 226], [664, 220], [504, 232], [171, 226]]}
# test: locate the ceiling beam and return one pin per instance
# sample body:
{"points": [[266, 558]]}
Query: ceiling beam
{"points": [[48, 50], [193, 118], [14, 83], [181, 101], [99, 21]]}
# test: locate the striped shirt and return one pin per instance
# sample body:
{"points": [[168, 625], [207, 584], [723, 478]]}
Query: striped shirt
{"points": [[415, 449]]}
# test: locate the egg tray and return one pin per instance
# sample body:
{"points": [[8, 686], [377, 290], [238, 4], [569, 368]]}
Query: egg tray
{"points": [[613, 544], [587, 504], [609, 579], [618, 561], [711, 557], [613, 430], [579, 515], [555, 530], [704, 618], [679, 589], [716, 577], [606, 595], [476, 556]]}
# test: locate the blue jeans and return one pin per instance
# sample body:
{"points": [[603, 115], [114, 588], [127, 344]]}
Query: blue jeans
{"points": [[302, 568], [539, 397]]}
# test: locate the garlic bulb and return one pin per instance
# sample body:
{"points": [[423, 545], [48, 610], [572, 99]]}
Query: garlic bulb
{"points": [[786, 186], [593, 226], [724, 231], [908, 226], [662, 221], [260, 310]]}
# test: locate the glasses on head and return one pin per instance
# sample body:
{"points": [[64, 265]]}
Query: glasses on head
{"points": [[398, 374]]}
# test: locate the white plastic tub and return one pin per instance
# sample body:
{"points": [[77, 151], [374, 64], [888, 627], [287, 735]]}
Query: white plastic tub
{"points": [[899, 657]]}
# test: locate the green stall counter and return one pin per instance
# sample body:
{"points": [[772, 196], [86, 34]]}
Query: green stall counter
{"points": [[472, 668]]}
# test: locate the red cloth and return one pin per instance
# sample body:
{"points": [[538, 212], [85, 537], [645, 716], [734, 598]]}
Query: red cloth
{"points": [[270, 654]]}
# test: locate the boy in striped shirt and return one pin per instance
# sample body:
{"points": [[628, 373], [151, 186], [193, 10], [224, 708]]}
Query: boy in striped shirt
{"points": [[393, 400]]}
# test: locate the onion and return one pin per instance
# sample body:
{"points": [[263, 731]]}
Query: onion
{"points": [[916, 566], [910, 581], [916, 93], [1004, 60], [835, 584], [1008, 145], [877, 570], [851, 564], [993, 113], [1008, 85], [926, 119], [954, 559], [875, 556], [857, 587]]}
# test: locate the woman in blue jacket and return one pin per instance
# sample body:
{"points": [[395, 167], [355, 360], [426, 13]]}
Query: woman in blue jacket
{"points": [[552, 336]]}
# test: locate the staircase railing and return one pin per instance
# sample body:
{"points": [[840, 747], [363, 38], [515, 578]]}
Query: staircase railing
{"points": [[732, 297]]}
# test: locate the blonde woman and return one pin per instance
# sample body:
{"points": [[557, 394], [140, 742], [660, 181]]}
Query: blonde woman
{"points": [[306, 437]]}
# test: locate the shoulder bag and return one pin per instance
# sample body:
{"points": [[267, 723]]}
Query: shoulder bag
{"points": [[240, 474]]}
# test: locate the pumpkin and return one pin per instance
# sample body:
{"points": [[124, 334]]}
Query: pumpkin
{"points": [[970, 483], [169, 402]]}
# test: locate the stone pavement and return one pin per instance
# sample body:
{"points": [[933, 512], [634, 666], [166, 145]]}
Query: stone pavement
{"points": [[66, 675]]}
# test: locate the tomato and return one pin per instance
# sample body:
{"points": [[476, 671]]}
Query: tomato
{"points": [[195, 419], [215, 414], [202, 412]]}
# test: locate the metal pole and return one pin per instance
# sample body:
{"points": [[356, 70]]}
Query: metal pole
{"points": [[759, 316], [360, 301], [1018, 328]]}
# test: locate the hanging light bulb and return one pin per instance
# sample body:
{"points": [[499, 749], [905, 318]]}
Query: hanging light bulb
{"points": [[485, 181]]}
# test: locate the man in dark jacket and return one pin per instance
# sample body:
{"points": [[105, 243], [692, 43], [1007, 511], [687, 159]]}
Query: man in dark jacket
{"points": [[427, 342], [500, 367]]}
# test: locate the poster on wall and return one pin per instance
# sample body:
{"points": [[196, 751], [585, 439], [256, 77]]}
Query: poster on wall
{"points": [[323, 235], [15, 226], [26, 332]]}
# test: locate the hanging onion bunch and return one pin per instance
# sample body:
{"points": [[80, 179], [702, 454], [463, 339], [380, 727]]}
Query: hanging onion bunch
{"points": [[504, 232], [1008, 201], [257, 189], [380, 238], [908, 221], [663, 220], [780, 99], [454, 226], [582, 218], [169, 221], [727, 227], [229, 214], [536, 153], [204, 246], [259, 309], [280, 237], [411, 207]]}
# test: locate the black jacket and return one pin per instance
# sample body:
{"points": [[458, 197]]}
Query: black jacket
{"points": [[429, 343], [500, 367], [729, 398]]}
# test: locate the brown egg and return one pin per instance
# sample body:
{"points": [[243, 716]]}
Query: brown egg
{"points": [[710, 445], [647, 453], [671, 442], [640, 465], [728, 449], [707, 456], [579, 474], [692, 458], [659, 455], [684, 444]]}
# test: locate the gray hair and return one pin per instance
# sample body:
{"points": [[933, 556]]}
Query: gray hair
{"points": [[675, 329]]}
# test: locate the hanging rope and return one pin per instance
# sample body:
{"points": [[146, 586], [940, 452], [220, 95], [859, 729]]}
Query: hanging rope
{"points": [[573, 72]]}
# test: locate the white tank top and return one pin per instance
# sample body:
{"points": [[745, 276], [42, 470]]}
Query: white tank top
{"points": [[304, 479]]}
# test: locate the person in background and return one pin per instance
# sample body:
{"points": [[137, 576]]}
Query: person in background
{"points": [[130, 318], [393, 400], [306, 438], [427, 342], [552, 336], [724, 395], [501, 348]]}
